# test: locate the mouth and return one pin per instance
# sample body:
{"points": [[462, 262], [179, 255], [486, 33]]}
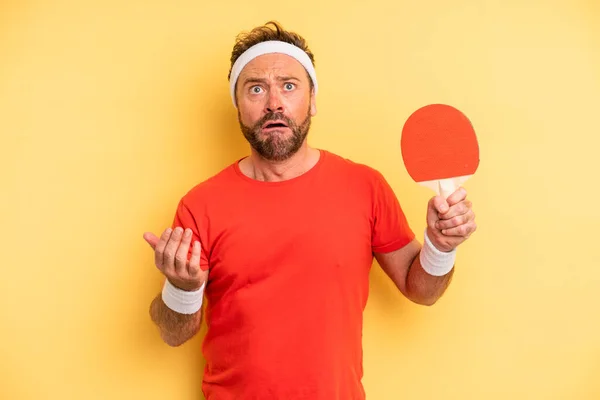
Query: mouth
{"points": [[274, 125]]}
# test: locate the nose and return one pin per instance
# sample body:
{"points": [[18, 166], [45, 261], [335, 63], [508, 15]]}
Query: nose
{"points": [[274, 103]]}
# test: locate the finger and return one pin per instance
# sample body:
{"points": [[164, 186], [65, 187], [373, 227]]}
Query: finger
{"points": [[182, 252], [171, 250], [151, 238], [432, 214], [464, 230], [459, 195], [455, 221], [458, 209], [160, 248], [440, 204], [194, 268]]}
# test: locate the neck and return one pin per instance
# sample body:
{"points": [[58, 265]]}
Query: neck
{"points": [[260, 169]]}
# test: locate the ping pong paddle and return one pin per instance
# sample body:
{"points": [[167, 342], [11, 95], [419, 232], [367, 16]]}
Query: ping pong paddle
{"points": [[439, 148]]}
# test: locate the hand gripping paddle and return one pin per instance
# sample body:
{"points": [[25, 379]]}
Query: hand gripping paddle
{"points": [[439, 148]]}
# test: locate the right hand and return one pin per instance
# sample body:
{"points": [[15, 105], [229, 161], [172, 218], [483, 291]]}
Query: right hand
{"points": [[170, 257]]}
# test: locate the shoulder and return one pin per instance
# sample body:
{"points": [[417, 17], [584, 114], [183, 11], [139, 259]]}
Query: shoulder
{"points": [[364, 181], [358, 171], [212, 187]]}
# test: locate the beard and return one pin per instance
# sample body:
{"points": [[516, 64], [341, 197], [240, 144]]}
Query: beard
{"points": [[275, 147]]}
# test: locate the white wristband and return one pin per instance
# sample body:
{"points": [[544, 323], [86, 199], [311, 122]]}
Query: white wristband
{"points": [[434, 261], [182, 301]]}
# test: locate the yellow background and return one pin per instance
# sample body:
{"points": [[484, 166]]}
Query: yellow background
{"points": [[111, 110]]}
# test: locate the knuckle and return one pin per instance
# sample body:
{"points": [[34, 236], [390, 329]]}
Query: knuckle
{"points": [[171, 276], [169, 253], [178, 276]]}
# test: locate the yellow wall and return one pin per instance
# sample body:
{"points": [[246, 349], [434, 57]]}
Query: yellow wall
{"points": [[110, 110]]}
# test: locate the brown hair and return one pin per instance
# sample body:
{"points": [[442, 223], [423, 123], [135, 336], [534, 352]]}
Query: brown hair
{"points": [[245, 40]]}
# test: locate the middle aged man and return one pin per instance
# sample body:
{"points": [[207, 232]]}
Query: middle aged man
{"points": [[281, 243]]}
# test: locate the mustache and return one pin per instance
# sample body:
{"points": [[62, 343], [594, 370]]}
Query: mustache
{"points": [[273, 117]]}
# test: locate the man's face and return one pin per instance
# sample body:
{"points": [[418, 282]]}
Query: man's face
{"points": [[275, 105]]}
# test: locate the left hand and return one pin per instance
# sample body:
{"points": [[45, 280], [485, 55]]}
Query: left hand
{"points": [[450, 221]]}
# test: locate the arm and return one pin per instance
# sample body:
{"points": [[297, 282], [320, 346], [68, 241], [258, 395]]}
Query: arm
{"points": [[403, 266], [175, 328], [449, 223], [177, 309]]}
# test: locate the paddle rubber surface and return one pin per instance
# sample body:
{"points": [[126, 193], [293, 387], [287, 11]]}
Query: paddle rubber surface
{"points": [[439, 142]]}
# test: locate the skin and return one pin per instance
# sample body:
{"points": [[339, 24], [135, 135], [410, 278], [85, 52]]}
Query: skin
{"points": [[449, 223], [277, 86], [276, 83], [170, 257]]}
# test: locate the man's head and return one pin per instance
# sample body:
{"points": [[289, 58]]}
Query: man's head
{"points": [[273, 86]]}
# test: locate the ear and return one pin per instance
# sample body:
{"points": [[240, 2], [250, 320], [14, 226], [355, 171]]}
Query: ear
{"points": [[313, 103]]}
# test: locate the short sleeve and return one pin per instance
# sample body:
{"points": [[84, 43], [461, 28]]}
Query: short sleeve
{"points": [[184, 218], [390, 229]]}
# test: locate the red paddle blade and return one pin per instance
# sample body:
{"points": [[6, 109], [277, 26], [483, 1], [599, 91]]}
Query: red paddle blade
{"points": [[439, 142]]}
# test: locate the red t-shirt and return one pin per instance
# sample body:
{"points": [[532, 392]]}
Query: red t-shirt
{"points": [[288, 281]]}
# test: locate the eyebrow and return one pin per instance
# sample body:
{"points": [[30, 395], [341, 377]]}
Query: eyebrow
{"points": [[262, 80]]}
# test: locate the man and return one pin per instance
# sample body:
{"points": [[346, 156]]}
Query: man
{"points": [[281, 243]]}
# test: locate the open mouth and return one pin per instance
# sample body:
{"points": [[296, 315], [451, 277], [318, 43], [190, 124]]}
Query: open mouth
{"points": [[274, 124]]}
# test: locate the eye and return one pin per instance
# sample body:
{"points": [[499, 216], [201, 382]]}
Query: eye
{"points": [[289, 86], [256, 89]]}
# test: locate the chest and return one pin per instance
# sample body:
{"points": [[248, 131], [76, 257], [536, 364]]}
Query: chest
{"points": [[277, 240]]}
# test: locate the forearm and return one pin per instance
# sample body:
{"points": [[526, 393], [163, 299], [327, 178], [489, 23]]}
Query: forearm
{"points": [[175, 328], [423, 288]]}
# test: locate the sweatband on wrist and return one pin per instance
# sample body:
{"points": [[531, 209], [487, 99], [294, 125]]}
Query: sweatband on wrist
{"points": [[182, 301], [270, 46], [434, 261]]}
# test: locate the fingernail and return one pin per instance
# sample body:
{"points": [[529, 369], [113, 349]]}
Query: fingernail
{"points": [[188, 232]]}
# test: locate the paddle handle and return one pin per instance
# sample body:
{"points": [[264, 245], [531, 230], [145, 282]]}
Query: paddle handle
{"points": [[446, 187]]}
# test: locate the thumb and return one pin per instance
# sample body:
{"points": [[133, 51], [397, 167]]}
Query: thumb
{"points": [[437, 205], [440, 204], [151, 239]]}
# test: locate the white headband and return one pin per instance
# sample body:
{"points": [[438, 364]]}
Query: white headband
{"points": [[272, 46]]}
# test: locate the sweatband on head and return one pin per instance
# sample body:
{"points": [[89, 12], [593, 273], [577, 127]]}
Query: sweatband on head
{"points": [[434, 261], [182, 301], [268, 47]]}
